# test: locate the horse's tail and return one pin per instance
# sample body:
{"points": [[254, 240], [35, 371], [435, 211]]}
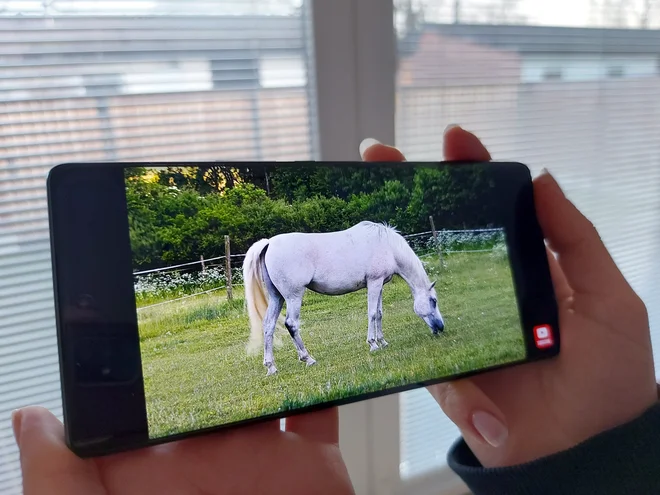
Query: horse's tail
{"points": [[255, 295]]}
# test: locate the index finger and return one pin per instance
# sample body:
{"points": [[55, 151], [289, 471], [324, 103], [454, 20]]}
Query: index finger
{"points": [[373, 151], [459, 145]]}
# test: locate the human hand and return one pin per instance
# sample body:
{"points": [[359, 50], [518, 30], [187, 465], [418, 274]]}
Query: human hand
{"points": [[256, 459], [604, 375]]}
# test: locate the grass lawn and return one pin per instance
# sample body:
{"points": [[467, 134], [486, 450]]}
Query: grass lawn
{"points": [[197, 373]]}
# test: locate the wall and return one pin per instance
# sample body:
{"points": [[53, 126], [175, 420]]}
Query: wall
{"points": [[587, 67]]}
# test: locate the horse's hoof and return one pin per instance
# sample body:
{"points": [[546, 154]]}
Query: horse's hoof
{"points": [[271, 370], [308, 360]]}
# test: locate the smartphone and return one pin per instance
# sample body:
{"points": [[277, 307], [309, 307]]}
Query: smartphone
{"points": [[192, 297]]}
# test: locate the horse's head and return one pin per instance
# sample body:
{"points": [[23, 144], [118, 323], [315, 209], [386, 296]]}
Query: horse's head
{"points": [[426, 307]]}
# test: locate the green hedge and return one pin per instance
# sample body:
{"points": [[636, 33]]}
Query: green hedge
{"points": [[173, 221]]}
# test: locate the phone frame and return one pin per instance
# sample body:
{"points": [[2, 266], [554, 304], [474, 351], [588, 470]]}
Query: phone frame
{"points": [[95, 304]]}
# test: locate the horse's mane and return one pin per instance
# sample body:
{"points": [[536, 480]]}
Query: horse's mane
{"points": [[388, 231], [400, 245], [382, 227]]}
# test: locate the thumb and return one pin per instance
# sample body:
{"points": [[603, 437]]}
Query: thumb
{"points": [[48, 466]]}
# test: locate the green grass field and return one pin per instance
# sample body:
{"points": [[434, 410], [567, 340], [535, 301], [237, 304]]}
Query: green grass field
{"points": [[198, 374]]}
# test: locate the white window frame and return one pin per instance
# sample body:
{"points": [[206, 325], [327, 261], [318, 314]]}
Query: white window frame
{"points": [[356, 95]]}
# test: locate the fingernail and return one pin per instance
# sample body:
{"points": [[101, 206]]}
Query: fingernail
{"points": [[16, 418], [449, 127], [544, 171], [366, 144], [490, 428]]}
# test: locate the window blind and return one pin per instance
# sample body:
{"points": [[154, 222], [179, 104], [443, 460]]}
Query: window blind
{"points": [[225, 82], [583, 102]]}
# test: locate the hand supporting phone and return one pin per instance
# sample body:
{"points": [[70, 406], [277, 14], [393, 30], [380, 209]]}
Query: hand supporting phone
{"points": [[180, 286]]}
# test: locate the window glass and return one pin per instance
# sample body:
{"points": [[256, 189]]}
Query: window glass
{"points": [[572, 86]]}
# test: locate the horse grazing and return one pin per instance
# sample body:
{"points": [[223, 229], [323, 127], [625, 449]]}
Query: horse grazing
{"points": [[334, 263]]}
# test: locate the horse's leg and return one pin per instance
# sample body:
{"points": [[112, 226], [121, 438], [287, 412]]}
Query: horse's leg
{"points": [[292, 324], [379, 322], [374, 310], [275, 303]]}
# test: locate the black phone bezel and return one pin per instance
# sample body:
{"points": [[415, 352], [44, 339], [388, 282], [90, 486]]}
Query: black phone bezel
{"points": [[93, 296]]}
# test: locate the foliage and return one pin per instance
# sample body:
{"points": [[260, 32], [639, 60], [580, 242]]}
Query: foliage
{"points": [[500, 251], [180, 214], [300, 183], [162, 286], [466, 240], [214, 178]]}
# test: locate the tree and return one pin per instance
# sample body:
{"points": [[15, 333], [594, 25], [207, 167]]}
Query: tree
{"points": [[645, 15], [134, 173], [458, 197], [506, 12], [648, 14], [497, 12], [170, 224], [413, 17], [612, 13], [228, 7], [642, 14], [293, 184], [410, 15], [214, 178]]}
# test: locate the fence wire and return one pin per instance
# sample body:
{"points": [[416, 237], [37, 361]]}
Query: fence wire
{"points": [[178, 282]]}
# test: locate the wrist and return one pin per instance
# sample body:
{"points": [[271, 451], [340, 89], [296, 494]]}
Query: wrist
{"points": [[620, 460], [540, 430]]}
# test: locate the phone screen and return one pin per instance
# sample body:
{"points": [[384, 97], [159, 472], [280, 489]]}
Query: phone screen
{"points": [[261, 293]]}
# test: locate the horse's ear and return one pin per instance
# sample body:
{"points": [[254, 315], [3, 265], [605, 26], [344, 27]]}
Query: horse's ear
{"points": [[432, 285]]}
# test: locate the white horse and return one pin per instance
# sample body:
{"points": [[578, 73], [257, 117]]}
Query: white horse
{"points": [[365, 255]]}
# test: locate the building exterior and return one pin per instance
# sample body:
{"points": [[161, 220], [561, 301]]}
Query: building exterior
{"points": [[561, 53], [159, 88]]}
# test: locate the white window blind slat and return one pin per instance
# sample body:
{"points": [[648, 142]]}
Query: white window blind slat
{"points": [[32, 282], [31, 376], [38, 329], [220, 82]]}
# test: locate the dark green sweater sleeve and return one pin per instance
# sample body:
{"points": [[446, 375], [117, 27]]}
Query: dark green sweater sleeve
{"points": [[624, 460]]}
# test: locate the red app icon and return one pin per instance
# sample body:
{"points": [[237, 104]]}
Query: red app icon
{"points": [[543, 336]]}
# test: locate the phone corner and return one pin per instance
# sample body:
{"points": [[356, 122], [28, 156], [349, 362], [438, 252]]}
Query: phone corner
{"points": [[77, 450], [522, 167], [55, 172], [551, 352]]}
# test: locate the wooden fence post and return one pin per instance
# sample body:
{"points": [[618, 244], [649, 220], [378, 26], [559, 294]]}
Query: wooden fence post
{"points": [[435, 238], [201, 259], [230, 296]]}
